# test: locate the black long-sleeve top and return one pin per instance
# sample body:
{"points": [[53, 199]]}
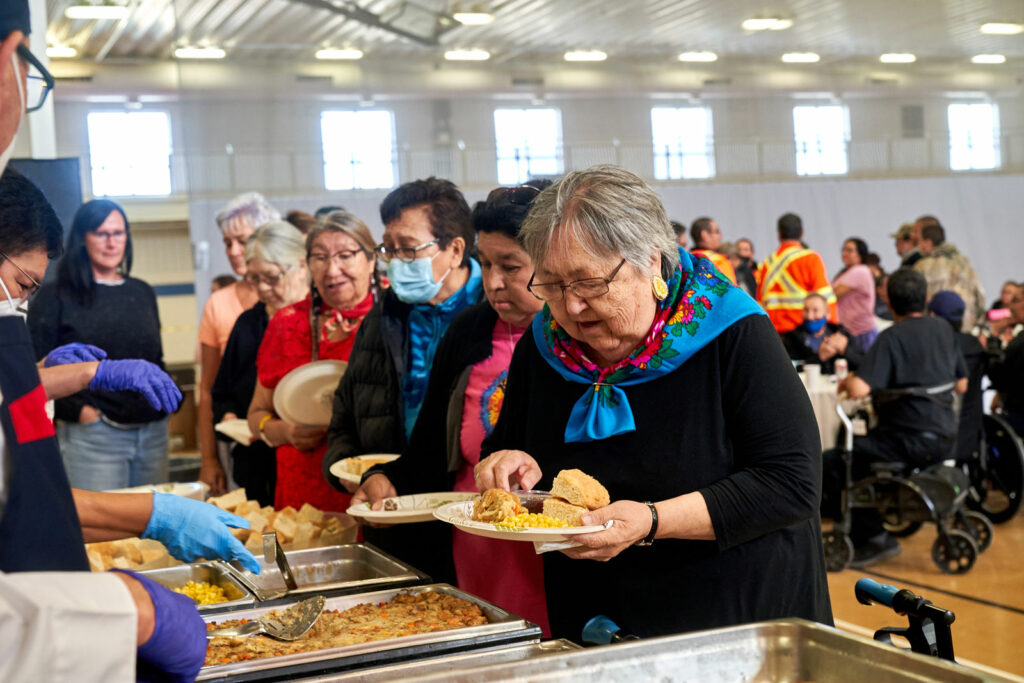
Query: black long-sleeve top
{"points": [[123, 320], [735, 424]]}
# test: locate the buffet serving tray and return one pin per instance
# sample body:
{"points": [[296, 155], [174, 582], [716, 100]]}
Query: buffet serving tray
{"points": [[786, 651], [503, 628], [216, 573], [331, 570]]}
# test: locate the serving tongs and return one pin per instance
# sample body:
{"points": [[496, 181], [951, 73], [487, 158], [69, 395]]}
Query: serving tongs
{"points": [[287, 624], [272, 554]]}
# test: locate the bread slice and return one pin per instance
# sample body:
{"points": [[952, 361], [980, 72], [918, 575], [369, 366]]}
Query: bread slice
{"points": [[567, 512], [580, 489]]}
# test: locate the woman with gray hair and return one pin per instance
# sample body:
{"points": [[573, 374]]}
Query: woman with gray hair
{"points": [[650, 372], [275, 266], [237, 221]]}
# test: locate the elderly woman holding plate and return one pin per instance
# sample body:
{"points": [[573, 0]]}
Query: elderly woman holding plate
{"points": [[669, 385], [320, 327]]}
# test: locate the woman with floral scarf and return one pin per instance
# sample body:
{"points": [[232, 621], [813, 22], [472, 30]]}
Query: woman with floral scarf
{"points": [[648, 370]]}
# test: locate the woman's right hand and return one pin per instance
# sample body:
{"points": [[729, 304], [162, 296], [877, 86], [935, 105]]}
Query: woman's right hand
{"points": [[504, 469], [87, 415], [211, 473], [304, 438]]}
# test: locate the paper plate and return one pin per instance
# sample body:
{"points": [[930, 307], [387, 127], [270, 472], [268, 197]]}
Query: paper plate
{"points": [[305, 395], [417, 507], [191, 489], [340, 470], [237, 429], [460, 515]]}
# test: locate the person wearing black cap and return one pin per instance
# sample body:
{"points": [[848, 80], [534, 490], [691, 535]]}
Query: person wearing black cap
{"points": [[950, 307]]}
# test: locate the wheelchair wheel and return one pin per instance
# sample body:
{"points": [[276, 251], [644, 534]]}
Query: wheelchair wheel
{"points": [[977, 525], [902, 528], [954, 552], [838, 550], [1002, 480]]}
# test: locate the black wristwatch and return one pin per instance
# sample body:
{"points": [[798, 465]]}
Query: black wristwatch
{"points": [[649, 539]]}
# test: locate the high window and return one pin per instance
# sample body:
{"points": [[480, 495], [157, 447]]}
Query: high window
{"points": [[529, 144], [130, 153], [684, 145], [359, 149], [973, 136], [821, 134]]}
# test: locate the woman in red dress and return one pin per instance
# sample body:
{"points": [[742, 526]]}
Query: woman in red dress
{"points": [[321, 327]]}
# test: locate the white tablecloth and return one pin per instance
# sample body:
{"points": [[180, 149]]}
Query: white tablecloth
{"points": [[824, 400]]}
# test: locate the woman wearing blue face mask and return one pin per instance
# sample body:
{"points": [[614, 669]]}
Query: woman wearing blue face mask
{"points": [[427, 236], [819, 342]]}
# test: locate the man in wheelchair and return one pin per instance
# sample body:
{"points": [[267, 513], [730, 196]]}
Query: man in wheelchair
{"points": [[911, 373]]}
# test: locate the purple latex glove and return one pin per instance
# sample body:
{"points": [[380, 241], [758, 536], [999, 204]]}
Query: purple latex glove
{"points": [[177, 649], [73, 353], [141, 376]]}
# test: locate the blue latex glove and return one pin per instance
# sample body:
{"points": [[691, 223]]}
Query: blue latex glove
{"points": [[141, 376], [73, 353], [191, 529], [177, 649]]}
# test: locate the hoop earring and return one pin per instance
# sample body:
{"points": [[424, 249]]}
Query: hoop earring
{"points": [[660, 288]]}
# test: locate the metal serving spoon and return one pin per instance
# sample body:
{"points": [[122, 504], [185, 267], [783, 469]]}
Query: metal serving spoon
{"points": [[287, 624]]}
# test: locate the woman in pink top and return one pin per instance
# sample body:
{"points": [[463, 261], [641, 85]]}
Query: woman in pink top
{"points": [[466, 391], [855, 288], [237, 221]]}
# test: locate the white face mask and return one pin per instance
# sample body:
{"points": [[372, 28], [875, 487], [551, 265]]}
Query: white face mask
{"points": [[5, 156], [12, 306]]}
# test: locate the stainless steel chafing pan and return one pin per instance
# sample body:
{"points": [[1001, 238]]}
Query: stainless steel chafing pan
{"points": [[215, 573], [502, 628]]}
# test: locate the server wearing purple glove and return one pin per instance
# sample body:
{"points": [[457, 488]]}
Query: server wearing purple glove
{"points": [[191, 529], [73, 353], [172, 635], [141, 376]]}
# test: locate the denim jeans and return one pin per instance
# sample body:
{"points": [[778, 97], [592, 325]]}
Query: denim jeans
{"points": [[98, 456]]}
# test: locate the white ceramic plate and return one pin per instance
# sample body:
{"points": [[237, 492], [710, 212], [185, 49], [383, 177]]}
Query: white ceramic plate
{"points": [[305, 395], [191, 489], [461, 515], [237, 429], [338, 468], [417, 507]]}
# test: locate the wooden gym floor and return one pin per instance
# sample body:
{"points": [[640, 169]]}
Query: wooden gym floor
{"points": [[988, 600]]}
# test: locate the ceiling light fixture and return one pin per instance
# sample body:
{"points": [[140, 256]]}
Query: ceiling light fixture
{"points": [[199, 53], [61, 52], [800, 57], [471, 55], [339, 53], [767, 24], [96, 12], [1002, 28], [989, 59], [585, 56], [697, 56], [473, 18], [897, 58]]}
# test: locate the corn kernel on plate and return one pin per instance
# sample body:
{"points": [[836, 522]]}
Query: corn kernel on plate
{"points": [[418, 507], [532, 527]]}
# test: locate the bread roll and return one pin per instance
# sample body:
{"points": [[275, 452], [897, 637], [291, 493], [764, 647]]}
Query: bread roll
{"points": [[580, 489], [567, 512]]}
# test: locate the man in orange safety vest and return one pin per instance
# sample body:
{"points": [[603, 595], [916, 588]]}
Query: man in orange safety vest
{"points": [[707, 238], [789, 274]]}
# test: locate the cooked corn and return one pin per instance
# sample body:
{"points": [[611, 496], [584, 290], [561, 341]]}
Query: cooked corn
{"points": [[202, 593], [527, 520]]}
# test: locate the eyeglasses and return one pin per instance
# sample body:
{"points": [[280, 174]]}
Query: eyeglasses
{"points": [[39, 83], [26, 292], [114, 236], [587, 288], [520, 195], [256, 279], [344, 258], [403, 254]]}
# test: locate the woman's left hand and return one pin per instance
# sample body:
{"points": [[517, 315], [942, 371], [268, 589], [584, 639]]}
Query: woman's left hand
{"points": [[631, 523]]}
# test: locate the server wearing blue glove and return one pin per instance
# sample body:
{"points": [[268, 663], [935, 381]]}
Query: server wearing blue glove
{"points": [[73, 353]]}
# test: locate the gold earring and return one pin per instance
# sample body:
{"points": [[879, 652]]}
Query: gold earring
{"points": [[660, 288]]}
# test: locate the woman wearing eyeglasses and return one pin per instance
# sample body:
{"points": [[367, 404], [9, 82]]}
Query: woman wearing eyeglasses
{"points": [[648, 371], [322, 326], [109, 440], [463, 399], [275, 266]]}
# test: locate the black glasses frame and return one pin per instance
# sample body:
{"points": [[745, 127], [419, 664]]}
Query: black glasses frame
{"points": [[26, 294], [607, 281], [404, 254], [44, 75]]}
